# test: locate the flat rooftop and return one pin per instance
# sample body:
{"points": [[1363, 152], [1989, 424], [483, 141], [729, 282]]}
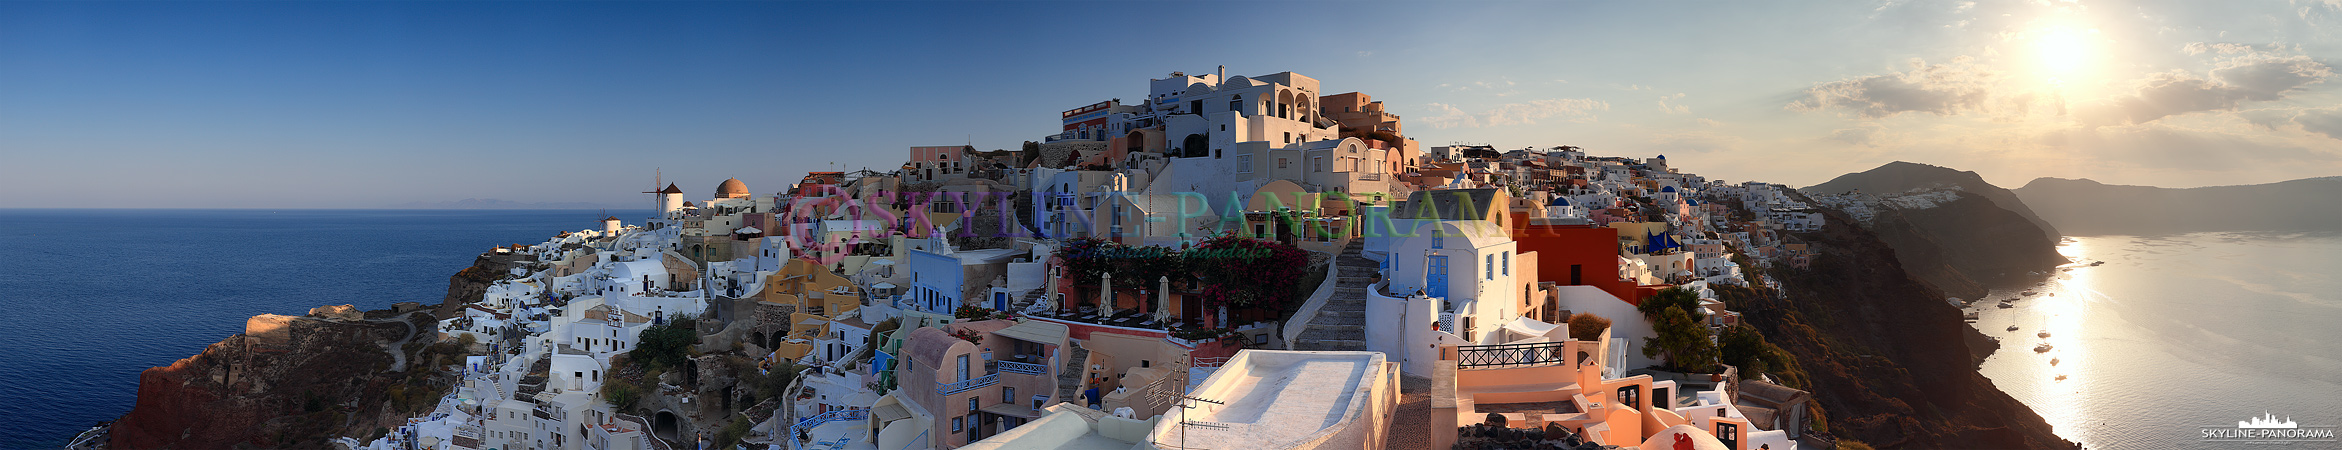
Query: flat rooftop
{"points": [[1273, 399]]}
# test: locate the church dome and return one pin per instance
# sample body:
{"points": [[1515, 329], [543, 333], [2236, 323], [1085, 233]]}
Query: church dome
{"points": [[732, 188], [1558, 201]]}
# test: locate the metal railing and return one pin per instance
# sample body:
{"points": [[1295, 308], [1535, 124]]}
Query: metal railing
{"points": [[1021, 367], [966, 385], [1512, 355]]}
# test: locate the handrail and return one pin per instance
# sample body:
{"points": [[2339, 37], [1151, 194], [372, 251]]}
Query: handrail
{"points": [[966, 385], [1513, 355], [1317, 300], [1022, 367]]}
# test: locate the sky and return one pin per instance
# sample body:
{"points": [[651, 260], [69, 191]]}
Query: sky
{"points": [[288, 104]]}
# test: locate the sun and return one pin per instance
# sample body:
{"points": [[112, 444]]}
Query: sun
{"points": [[2065, 53]]}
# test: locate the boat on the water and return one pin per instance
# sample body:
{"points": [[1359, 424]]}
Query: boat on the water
{"points": [[2012, 328], [2043, 333], [2053, 361], [2004, 304], [2043, 348], [2061, 377]]}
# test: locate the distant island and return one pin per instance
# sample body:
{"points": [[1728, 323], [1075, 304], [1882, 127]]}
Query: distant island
{"points": [[2086, 207], [491, 203]]}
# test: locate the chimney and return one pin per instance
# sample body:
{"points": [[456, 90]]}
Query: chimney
{"points": [[1223, 74]]}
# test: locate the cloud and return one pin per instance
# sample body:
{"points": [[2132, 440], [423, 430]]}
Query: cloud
{"points": [[1867, 134], [1941, 89], [2225, 48], [2249, 77], [1578, 110], [2321, 121], [1700, 141], [1707, 122], [1673, 109]]}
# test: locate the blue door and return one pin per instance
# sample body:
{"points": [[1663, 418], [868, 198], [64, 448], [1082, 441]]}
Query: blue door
{"points": [[1436, 279], [1000, 301]]}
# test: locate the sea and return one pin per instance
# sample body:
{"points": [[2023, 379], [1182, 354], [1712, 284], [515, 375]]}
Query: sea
{"points": [[89, 297], [2175, 335]]}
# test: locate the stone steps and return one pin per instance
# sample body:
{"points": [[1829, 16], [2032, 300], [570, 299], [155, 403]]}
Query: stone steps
{"points": [[1069, 383], [1340, 325]]}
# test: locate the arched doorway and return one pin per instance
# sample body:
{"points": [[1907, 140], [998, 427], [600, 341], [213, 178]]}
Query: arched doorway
{"points": [[1195, 146], [666, 426]]}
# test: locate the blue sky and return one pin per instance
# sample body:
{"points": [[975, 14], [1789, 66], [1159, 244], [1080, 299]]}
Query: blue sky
{"points": [[366, 104]]}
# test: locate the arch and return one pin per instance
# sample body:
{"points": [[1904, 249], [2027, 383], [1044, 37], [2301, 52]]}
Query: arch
{"points": [[1236, 104], [1284, 104], [665, 425], [1195, 145]]}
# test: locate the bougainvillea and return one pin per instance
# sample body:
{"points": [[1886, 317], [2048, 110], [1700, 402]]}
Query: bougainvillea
{"points": [[1250, 273]]}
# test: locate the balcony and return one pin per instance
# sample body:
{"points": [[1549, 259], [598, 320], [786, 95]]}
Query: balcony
{"points": [[966, 385], [1023, 368]]}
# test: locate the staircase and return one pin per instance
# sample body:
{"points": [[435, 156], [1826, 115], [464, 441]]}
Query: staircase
{"points": [[1019, 303], [1069, 377], [1341, 324]]}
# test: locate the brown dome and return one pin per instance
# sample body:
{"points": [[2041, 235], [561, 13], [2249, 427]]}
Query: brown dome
{"points": [[732, 188]]}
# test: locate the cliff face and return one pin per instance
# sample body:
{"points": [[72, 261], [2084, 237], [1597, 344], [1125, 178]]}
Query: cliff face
{"points": [[2086, 207], [287, 382], [1967, 245], [1902, 176], [1890, 363], [297, 382]]}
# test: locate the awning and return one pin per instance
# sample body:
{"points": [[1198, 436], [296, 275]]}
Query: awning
{"points": [[1035, 331]]}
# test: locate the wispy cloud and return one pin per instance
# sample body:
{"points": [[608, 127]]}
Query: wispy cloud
{"points": [[1578, 110], [2249, 76], [1673, 109], [1941, 89]]}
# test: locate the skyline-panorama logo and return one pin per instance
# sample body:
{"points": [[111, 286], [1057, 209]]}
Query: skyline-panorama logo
{"points": [[2268, 429]]}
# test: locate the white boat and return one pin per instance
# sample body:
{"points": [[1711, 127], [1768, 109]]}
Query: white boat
{"points": [[2043, 348], [2061, 377], [2004, 304], [2043, 333], [2053, 361], [2012, 328]]}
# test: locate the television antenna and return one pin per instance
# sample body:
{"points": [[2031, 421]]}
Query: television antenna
{"points": [[1185, 402]]}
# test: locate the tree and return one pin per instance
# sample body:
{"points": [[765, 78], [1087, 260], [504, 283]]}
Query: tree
{"points": [[664, 346], [1586, 326], [1682, 342], [1673, 297], [1030, 152]]}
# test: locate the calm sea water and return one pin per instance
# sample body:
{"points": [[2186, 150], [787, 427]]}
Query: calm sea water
{"points": [[91, 297], [2177, 333]]}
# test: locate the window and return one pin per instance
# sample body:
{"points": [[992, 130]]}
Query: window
{"points": [[1508, 263], [963, 368], [1243, 163], [1236, 103], [1145, 363], [1288, 137], [1284, 163], [955, 424], [1438, 240], [1490, 266], [1007, 394], [973, 405], [1038, 399]]}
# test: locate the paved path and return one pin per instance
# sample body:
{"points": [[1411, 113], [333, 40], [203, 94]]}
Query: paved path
{"points": [[398, 354], [1411, 421], [1341, 323]]}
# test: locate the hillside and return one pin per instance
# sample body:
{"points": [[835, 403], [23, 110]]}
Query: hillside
{"points": [[1966, 246], [2086, 207], [1902, 176], [1888, 362]]}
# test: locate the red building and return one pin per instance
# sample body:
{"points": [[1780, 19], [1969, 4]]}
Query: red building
{"points": [[1578, 255]]}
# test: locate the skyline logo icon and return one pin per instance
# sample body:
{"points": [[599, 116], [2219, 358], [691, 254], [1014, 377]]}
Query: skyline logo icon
{"points": [[2266, 420]]}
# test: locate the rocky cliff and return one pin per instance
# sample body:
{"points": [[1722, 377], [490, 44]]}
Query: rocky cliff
{"points": [[300, 381], [1902, 176], [286, 382], [1888, 361], [1967, 245]]}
